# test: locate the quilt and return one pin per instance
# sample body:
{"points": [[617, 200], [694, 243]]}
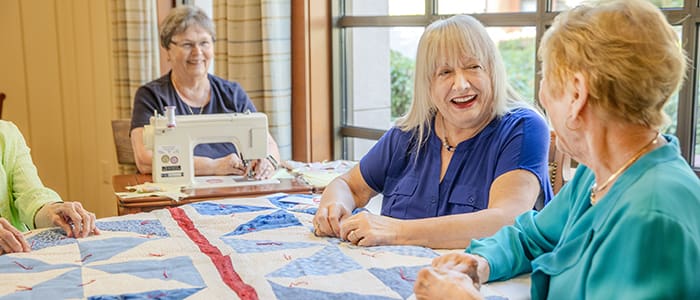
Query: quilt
{"points": [[252, 248]]}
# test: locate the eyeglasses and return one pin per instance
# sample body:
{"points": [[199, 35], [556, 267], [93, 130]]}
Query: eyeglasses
{"points": [[189, 45]]}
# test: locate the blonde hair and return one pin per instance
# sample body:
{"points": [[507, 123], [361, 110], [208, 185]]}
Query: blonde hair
{"points": [[628, 52], [451, 40], [181, 18]]}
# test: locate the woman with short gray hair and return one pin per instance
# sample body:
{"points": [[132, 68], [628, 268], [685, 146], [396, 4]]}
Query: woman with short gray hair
{"points": [[187, 34]]}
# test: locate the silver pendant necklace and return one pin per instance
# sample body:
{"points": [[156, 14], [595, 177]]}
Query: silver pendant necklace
{"points": [[189, 108]]}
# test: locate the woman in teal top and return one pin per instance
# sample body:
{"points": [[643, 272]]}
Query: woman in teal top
{"points": [[25, 203], [627, 225]]}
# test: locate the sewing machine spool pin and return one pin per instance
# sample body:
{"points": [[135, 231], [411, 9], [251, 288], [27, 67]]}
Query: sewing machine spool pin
{"points": [[170, 115]]}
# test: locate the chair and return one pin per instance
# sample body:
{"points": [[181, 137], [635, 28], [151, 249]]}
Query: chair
{"points": [[2, 100], [560, 169], [560, 165], [122, 141]]}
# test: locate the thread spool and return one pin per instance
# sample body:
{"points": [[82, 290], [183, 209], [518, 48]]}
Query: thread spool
{"points": [[170, 115]]}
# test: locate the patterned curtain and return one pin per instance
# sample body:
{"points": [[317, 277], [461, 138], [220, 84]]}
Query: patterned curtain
{"points": [[253, 47], [135, 52]]}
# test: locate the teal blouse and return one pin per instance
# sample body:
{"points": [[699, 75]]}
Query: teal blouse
{"points": [[21, 192], [641, 241]]}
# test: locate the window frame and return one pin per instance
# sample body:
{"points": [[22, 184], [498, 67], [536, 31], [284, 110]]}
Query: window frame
{"points": [[687, 16]]}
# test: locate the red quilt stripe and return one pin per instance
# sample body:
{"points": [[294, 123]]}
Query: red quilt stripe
{"points": [[223, 264]]}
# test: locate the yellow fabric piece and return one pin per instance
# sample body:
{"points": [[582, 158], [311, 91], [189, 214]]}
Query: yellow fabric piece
{"points": [[319, 174]]}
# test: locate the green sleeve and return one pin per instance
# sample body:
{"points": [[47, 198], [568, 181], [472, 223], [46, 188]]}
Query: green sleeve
{"points": [[510, 251], [649, 255], [27, 194]]}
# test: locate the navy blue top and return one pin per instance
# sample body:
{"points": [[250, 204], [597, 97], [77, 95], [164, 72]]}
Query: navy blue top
{"points": [[412, 187], [226, 97]]}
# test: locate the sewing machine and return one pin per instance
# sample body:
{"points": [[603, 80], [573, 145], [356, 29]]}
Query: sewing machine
{"points": [[173, 138]]}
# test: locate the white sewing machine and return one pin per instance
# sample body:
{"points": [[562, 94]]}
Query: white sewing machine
{"points": [[173, 138]]}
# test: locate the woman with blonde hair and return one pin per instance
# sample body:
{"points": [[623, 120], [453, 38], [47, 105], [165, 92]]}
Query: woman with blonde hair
{"points": [[626, 226], [467, 158]]}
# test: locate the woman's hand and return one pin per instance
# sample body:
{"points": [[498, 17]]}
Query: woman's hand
{"points": [[366, 229], [433, 283], [328, 217], [451, 276], [228, 165], [471, 265], [232, 164], [262, 168], [340, 197], [11, 240], [70, 216]]}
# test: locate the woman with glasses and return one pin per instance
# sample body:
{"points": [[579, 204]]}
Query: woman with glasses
{"points": [[187, 34]]}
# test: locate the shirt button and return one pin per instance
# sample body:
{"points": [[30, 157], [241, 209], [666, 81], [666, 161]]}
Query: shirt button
{"points": [[470, 200]]}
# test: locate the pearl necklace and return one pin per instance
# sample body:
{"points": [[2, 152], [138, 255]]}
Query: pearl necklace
{"points": [[595, 189], [445, 143]]}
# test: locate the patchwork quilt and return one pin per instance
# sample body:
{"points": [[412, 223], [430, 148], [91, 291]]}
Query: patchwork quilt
{"points": [[256, 248]]}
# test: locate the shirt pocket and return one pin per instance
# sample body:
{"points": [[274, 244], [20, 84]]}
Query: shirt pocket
{"points": [[464, 199], [565, 256], [400, 198]]}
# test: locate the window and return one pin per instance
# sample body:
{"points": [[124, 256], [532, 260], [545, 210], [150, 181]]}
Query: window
{"points": [[375, 43]]}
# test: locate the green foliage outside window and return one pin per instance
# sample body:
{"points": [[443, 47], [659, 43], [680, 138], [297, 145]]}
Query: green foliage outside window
{"points": [[671, 110], [402, 68], [519, 58]]}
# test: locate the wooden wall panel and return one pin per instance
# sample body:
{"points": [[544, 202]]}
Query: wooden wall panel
{"points": [[104, 98], [312, 126], [91, 157], [12, 73], [85, 157], [60, 93], [301, 110], [46, 127], [70, 87], [320, 79]]}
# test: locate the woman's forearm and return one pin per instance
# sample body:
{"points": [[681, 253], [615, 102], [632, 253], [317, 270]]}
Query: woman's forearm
{"points": [[454, 231]]}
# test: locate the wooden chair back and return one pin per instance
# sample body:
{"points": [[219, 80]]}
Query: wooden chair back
{"points": [[2, 100], [561, 167], [122, 141]]}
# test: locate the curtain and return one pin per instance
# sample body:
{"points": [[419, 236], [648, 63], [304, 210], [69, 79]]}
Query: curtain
{"points": [[135, 53], [135, 33], [253, 47]]}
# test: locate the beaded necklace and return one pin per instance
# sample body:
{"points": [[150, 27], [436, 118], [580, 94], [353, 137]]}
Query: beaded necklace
{"points": [[445, 143]]}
